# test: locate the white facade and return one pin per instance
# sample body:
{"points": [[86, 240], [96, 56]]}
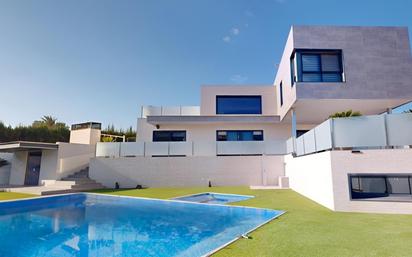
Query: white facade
{"points": [[324, 178], [354, 74], [187, 171], [55, 164], [53, 161]]}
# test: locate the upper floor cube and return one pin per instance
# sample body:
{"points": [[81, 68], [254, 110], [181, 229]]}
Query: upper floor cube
{"points": [[329, 62]]}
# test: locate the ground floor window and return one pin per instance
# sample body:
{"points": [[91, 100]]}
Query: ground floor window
{"points": [[375, 186], [169, 135], [239, 135]]}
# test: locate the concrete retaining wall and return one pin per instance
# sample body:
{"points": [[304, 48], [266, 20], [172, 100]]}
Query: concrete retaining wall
{"points": [[323, 177], [187, 171]]}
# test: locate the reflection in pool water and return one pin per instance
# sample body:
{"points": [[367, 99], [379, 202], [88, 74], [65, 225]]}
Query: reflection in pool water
{"points": [[98, 225]]}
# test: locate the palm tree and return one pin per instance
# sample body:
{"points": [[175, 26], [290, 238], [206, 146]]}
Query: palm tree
{"points": [[348, 113], [49, 121]]}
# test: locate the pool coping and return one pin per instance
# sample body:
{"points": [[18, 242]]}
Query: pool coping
{"points": [[281, 212], [249, 197]]}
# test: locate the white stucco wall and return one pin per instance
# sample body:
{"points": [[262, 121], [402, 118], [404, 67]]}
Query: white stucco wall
{"points": [[73, 157], [324, 177], [284, 75], [48, 165], [389, 161], [207, 132], [5, 170], [311, 176], [187, 171], [85, 136], [18, 168]]}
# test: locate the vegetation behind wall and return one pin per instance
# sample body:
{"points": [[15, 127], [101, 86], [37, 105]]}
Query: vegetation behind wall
{"points": [[49, 130], [46, 130], [129, 133]]}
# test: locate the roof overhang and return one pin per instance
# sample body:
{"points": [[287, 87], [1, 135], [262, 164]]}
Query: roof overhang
{"points": [[205, 119], [12, 147], [315, 111]]}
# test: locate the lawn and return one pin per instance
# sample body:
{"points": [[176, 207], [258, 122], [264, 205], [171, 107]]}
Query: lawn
{"points": [[307, 229], [11, 196]]}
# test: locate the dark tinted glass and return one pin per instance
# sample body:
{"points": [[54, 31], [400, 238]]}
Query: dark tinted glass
{"points": [[238, 105], [169, 136], [311, 63], [398, 185], [319, 65], [281, 93], [239, 135], [373, 186]]}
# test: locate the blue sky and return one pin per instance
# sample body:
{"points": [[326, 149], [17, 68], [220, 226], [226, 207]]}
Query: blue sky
{"points": [[100, 60]]}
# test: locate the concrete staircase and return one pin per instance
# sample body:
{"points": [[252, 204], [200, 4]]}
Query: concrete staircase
{"points": [[76, 182]]}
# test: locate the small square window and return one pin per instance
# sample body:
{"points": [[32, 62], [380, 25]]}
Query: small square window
{"points": [[317, 66]]}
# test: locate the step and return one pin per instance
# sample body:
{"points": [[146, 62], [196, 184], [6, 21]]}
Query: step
{"points": [[77, 180], [62, 183], [88, 186], [72, 190]]}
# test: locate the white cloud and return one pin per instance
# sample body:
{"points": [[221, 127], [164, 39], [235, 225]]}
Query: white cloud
{"points": [[238, 79], [235, 31], [226, 39]]}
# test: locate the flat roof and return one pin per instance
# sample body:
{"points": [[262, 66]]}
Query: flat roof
{"points": [[17, 146]]}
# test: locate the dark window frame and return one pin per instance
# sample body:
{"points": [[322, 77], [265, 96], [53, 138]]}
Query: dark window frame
{"points": [[379, 196], [219, 112], [292, 70], [297, 74], [240, 131], [170, 136]]}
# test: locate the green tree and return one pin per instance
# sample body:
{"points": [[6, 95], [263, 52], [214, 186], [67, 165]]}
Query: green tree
{"points": [[129, 133], [45, 130]]}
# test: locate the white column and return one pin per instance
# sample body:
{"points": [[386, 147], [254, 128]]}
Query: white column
{"points": [[294, 133]]}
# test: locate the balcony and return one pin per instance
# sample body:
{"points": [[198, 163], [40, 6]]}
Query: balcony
{"points": [[158, 115], [357, 133], [169, 111], [197, 148]]}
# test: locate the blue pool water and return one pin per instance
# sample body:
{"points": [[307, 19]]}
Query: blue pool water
{"points": [[100, 225], [213, 198]]}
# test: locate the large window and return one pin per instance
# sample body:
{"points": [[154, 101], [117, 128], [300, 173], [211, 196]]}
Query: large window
{"points": [[375, 186], [239, 135], [245, 104], [169, 136], [317, 66]]}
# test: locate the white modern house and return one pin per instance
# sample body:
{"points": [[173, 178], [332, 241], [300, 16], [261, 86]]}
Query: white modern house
{"points": [[280, 135]]}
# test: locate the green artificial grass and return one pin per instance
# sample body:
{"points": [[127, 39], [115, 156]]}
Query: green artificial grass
{"points": [[307, 229], [12, 196]]}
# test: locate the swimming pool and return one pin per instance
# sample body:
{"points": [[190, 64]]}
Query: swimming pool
{"points": [[102, 225], [213, 198]]}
